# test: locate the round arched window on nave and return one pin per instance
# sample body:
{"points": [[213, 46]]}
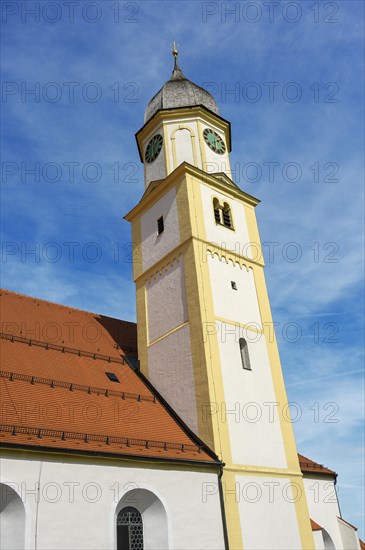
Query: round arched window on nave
{"points": [[129, 529]]}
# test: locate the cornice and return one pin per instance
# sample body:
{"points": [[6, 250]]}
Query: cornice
{"points": [[159, 187]]}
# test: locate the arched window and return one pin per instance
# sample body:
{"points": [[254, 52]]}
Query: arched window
{"points": [[222, 214], [245, 358], [129, 529], [142, 524], [327, 541], [227, 218], [217, 211]]}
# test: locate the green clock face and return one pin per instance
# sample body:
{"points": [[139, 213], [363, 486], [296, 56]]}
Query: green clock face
{"points": [[153, 149], [214, 141]]}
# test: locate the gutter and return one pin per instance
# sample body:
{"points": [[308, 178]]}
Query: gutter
{"points": [[101, 454], [223, 511]]}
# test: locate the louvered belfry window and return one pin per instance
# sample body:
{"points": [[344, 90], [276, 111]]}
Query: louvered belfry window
{"points": [[227, 218], [222, 214], [217, 211]]}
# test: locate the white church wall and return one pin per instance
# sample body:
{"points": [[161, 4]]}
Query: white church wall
{"points": [[214, 162], [348, 535], [153, 511], [183, 143], [323, 506], [318, 540], [184, 147], [236, 241], [12, 519], [267, 513], [239, 305], [26, 517], [166, 300], [250, 403], [170, 370], [155, 246], [78, 503], [155, 170]]}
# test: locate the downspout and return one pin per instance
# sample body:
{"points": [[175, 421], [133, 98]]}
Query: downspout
{"points": [[223, 511], [338, 501], [37, 504]]}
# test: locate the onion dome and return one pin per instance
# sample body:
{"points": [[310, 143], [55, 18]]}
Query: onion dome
{"points": [[179, 92]]}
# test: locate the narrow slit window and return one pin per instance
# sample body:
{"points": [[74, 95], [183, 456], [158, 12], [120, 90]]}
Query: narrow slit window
{"points": [[234, 285], [227, 217], [160, 225], [245, 358]]}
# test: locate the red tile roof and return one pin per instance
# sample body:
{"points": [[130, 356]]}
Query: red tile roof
{"points": [[309, 466], [56, 394], [49, 322], [362, 544], [315, 526]]}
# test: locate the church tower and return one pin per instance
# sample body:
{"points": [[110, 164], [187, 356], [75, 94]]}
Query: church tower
{"points": [[206, 338]]}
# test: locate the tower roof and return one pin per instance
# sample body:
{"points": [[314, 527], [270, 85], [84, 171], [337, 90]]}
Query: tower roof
{"points": [[179, 92]]}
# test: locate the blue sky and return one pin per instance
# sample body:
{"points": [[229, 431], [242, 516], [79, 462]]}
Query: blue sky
{"points": [[297, 128]]}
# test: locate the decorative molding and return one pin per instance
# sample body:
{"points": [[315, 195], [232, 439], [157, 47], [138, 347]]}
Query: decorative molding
{"points": [[165, 268], [226, 257]]}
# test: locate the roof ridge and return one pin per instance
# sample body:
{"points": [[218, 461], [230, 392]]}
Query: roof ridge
{"points": [[21, 295]]}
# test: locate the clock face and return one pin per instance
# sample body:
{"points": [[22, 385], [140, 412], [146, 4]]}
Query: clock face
{"points": [[153, 149], [214, 141]]}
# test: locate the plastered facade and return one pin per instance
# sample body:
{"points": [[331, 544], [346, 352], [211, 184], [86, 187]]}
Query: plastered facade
{"points": [[221, 238], [155, 246], [78, 500], [183, 142], [170, 369], [250, 407], [267, 513], [243, 409]]}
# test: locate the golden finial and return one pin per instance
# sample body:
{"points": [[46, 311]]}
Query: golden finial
{"points": [[176, 73], [175, 53]]}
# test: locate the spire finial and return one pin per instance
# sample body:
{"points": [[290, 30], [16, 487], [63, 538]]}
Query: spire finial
{"points": [[175, 53], [176, 73]]}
